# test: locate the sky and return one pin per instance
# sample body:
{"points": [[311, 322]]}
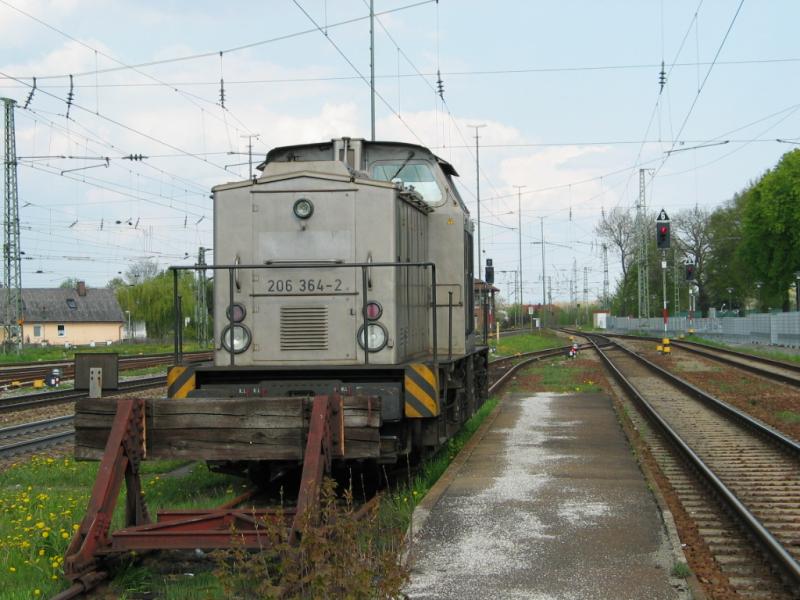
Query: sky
{"points": [[568, 92]]}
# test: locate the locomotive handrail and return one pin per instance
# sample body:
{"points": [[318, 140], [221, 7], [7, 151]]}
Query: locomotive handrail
{"points": [[299, 265]]}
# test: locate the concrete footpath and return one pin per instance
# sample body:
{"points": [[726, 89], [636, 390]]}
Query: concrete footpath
{"points": [[549, 504]]}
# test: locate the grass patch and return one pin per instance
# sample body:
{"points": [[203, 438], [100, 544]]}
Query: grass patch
{"points": [[681, 570], [788, 416], [558, 375], [528, 342], [124, 349], [42, 502]]}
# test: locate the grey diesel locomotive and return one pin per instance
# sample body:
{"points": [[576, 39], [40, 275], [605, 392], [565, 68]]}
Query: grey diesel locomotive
{"points": [[346, 267]]}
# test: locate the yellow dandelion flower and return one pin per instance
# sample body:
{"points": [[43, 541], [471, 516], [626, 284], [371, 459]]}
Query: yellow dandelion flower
{"points": [[37, 592], [54, 577], [45, 534], [64, 535], [41, 551], [54, 564], [40, 525], [75, 527], [12, 569]]}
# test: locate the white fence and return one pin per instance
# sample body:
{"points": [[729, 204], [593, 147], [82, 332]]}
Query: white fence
{"points": [[780, 329]]}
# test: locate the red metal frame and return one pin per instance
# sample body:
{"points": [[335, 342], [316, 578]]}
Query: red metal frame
{"points": [[224, 527]]}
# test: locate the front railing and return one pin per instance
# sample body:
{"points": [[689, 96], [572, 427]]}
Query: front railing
{"points": [[366, 284]]}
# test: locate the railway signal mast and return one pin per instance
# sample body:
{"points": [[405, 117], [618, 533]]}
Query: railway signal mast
{"points": [[663, 244]]}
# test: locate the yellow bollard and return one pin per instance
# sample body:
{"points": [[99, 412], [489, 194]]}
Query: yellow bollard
{"points": [[667, 349], [38, 383], [659, 348]]}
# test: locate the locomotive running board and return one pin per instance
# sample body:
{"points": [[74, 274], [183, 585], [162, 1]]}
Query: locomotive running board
{"points": [[223, 527]]}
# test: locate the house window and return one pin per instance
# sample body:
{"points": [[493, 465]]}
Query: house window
{"points": [[37, 331], [72, 304], [61, 331]]}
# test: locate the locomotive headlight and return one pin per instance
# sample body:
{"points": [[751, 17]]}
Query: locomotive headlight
{"points": [[241, 338], [303, 208], [377, 336]]}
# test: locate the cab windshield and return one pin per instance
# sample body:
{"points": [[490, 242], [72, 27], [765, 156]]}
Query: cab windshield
{"points": [[418, 175]]}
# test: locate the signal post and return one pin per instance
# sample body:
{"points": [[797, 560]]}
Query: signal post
{"points": [[663, 243]]}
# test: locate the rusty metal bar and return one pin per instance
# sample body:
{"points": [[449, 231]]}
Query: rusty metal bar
{"points": [[123, 452], [317, 460]]}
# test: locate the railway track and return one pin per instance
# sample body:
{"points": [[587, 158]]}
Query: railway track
{"points": [[35, 436], [22, 374], [16, 403], [752, 471], [769, 368], [47, 433]]}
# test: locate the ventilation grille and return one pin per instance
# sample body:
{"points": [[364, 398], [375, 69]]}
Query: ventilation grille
{"points": [[304, 328]]}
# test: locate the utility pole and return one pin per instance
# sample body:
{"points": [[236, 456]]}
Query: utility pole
{"points": [[201, 307], [544, 297], [250, 137], [642, 229], [478, 195], [549, 293], [12, 275], [606, 302], [372, 64], [586, 291], [519, 238]]}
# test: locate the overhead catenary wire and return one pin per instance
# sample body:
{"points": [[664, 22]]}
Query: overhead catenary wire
{"points": [[210, 53], [702, 84], [396, 75], [186, 95]]}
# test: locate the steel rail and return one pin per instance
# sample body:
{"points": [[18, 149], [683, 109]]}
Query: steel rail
{"points": [[14, 403], [27, 373], [719, 355], [38, 443], [25, 428], [710, 351], [772, 546]]}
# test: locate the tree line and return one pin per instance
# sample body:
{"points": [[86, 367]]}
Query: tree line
{"points": [[147, 292], [746, 252]]}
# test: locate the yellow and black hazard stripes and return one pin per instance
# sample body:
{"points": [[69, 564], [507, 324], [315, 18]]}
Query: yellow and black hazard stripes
{"points": [[421, 391], [180, 381]]}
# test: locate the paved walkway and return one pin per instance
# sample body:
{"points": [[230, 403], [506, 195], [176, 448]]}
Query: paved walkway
{"points": [[551, 504]]}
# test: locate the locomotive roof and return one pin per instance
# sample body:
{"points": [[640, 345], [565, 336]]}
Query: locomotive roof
{"points": [[273, 154]]}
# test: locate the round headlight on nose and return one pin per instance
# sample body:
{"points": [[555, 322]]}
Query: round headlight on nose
{"points": [[241, 338], [303, 208], [377, 336]]}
